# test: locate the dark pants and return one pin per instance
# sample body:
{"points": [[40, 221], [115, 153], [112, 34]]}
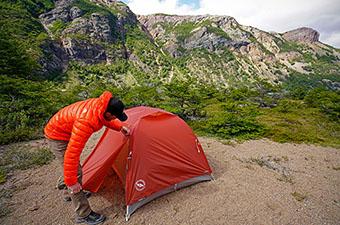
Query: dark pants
{"points": [[79, 200]]}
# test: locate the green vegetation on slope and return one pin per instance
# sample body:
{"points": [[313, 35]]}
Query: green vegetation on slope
{"points": [[21, 37], [185, 29], [302, 109], [278, 116], [26, 105], [22, 91]]}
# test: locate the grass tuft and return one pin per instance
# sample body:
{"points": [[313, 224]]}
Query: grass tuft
{"points": [[298, 196], [22, 158]]}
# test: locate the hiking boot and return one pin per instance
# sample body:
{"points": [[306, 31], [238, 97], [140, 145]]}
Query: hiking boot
{"points": [[92, 219]]}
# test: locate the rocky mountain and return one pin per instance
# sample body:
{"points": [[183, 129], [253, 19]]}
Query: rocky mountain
{"points": [[212, 71], [210, 49], [252, 52], [86, 31]]}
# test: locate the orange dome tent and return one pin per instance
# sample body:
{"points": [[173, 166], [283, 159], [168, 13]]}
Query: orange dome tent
{"points": [[161, 155]]}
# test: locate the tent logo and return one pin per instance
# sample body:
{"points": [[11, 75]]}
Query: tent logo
{"points": [[140, 185]]}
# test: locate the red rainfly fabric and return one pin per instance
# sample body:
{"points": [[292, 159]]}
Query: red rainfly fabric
{"points": [[99, 162], [107, 152], [161, 151], [164, 151]]}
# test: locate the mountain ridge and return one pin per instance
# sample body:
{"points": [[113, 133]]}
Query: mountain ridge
{"points": [[235, 52]]}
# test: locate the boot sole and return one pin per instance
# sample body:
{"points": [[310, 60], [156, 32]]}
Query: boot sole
{"points": [[102, 219]]}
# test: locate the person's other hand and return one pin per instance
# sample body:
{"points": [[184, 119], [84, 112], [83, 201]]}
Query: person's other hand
{"points": [[75, 188], [125, 131]]}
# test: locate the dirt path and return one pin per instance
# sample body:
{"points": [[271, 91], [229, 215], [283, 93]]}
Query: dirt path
{"points": [[257, 182]]}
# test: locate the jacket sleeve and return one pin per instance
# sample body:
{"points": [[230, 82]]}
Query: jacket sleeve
{"points": [[81, 132], [115, 125]]}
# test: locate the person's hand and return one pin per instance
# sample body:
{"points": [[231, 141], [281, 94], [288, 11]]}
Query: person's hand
{"points": [[125, 131], [75, 188]]}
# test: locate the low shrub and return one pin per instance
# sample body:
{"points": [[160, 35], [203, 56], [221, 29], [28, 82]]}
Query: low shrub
{"points": [[236, 120], [327, 101]]}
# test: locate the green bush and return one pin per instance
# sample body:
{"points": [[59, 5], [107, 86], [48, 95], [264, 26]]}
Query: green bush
{"points": [[27, 105], [327, 101], [185, 99], [143, 95], [229, 125], [235, 120]]}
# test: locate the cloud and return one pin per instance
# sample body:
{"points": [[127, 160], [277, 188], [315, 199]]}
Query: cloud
{"points": [[268, 15], [160, 6], [333, 38]]}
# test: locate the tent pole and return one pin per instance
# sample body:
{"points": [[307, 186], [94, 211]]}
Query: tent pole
{"points": [[127, 216]]}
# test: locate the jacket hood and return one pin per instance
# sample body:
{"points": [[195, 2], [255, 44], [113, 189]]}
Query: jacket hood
{"points": [[104, 99]]}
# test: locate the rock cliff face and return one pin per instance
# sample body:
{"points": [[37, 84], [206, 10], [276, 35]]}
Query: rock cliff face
{"points": [[303, 34], [89, 32], [195, 32], [213, 49], [55, 60]]}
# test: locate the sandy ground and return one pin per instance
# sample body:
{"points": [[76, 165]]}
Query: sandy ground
{"points": [[257, 182]]}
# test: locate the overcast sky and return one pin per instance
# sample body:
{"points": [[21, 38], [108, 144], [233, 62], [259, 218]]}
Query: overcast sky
{"points": [[268, 15]]}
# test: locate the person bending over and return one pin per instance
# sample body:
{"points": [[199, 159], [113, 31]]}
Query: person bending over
{"points": [[67, 133]]}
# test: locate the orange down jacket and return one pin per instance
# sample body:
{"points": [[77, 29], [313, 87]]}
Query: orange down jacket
{"points": [[76, 123]]}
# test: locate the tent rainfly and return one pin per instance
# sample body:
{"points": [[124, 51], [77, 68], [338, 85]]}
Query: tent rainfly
{"points": [[161, 155]]}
